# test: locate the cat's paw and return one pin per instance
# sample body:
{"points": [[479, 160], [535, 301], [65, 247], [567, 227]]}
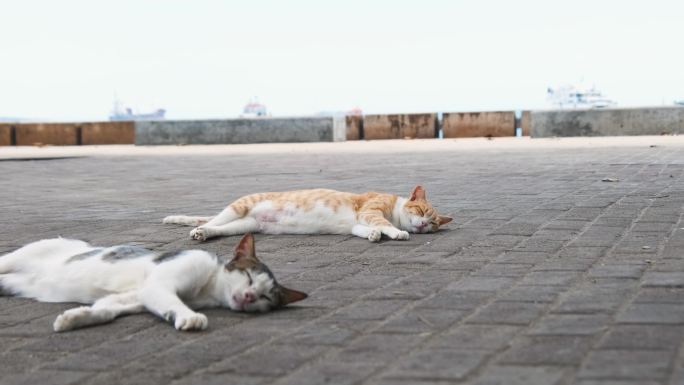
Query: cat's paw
{"points": [[401, 235], [194, 321], [70, 319], [375, 235], [198, 234]]}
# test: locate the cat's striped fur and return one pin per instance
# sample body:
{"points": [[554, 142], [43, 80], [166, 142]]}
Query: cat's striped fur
{"points": [[321, 211]]}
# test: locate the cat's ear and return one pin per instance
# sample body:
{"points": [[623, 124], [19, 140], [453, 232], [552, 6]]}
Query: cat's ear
{"points": [[244, 250], [290, 295], [443, 220], [418, 194]]}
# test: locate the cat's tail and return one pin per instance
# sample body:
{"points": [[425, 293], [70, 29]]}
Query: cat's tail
{"points": [[4, 265], [7, 262], [186, 220]]}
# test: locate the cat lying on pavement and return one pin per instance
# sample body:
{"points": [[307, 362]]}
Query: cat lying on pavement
{"points": [[122, 280], [321, 211]]}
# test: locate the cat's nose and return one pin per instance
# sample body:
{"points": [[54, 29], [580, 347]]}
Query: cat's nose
{"points": [[249, 297]]}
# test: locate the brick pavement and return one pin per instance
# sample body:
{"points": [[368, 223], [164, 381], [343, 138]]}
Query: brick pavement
{"points": [[547, 276]]}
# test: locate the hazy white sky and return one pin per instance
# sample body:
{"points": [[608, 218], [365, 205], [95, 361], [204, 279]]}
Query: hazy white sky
{"points": [[67, 59]]}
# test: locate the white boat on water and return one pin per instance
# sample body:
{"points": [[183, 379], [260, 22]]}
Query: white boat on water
{"points": [[254, 109], [572, 96]]}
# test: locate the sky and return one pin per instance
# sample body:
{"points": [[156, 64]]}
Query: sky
{"points": [[70, 59]]}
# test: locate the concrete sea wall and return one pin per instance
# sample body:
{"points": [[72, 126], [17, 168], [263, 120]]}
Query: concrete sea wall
{"points": [[235, 131], [608, 122]]}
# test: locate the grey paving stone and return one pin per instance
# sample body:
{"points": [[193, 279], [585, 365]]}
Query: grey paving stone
{"points": [[422, 321], [23, 362], [593, 299], [660, 295], [617, 382], [622, 222], [503, 270], [508, 313], [570, 324], [377, 348], [556, 235], [516, 229], [566, 225], [540, 244], [439, 364], [547, 350], [222, 379], [371, 310], [634, 337], [457, 299], [541, 251], [518, 256], [532, 293], [677, 376], [488, 337], [473, 283], [558, 264], [582, 252], [319, 334], [268, 360], [658, 313], [550, 278], [616, 271], [401, 381], [521, 375], [598, 237], [663, 279], [667, 265], [328, 373], [56, 377], [627, 364]]}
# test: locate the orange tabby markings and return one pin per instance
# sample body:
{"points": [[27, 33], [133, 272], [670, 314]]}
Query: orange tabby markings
{"points": [[323, 211]]}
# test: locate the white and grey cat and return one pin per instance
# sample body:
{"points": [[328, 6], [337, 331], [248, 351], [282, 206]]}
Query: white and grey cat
{"points": [[128, 279]]}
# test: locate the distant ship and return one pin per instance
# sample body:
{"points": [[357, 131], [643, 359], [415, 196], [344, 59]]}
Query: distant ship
{"points": [[572, 96], [254, 109], [121, 113]]}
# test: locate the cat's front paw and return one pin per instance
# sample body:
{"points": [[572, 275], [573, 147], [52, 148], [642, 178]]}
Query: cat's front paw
{"points": [[194, 321], [70, 319], [198, 234], [401, 235], [375, 235]]}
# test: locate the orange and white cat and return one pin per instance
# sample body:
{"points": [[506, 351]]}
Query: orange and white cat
{"points": [[321, 211]]}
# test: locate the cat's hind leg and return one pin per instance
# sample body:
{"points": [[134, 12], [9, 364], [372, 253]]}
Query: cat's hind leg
{"points": [[368, 232], [226, 217], [236, 227], [104, 310]]}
